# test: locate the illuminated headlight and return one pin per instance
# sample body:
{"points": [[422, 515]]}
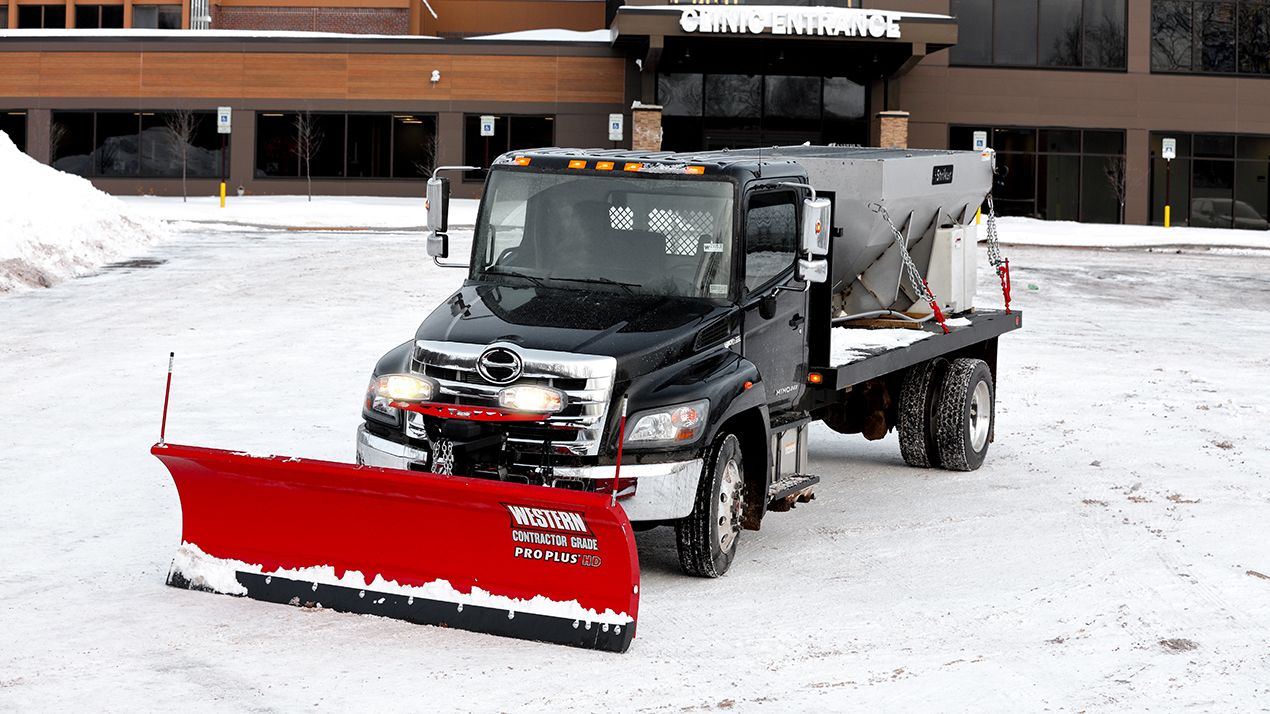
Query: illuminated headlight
{"points": [[389, 388], [532, 398], [680, 424]]}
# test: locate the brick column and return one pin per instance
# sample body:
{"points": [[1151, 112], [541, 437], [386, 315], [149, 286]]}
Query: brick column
{"points": [[645, 127], [893, 129]]}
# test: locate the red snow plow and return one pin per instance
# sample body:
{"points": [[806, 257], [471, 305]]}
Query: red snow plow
{"points": [[487, 556]]}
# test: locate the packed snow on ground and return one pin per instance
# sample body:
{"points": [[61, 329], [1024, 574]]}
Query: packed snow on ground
{"points": [[324, 212], [1032, 231], [1109, 556], [54, 225]]}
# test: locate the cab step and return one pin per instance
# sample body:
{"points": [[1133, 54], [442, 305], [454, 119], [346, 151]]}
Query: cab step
{"points": [[791, 490]]}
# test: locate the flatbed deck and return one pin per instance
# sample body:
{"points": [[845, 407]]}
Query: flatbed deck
{"points": [[871, 362]]}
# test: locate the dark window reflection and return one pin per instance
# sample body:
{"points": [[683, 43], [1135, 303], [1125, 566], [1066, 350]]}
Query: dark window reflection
{"points": [[1215, 32], [510, 133], [13, 123], [1104, 44], [1059, 33], [1014, 33], [1254, 38], [733, 95], [1218, 181], [974, 32], [680, 94], [1171, 35]]}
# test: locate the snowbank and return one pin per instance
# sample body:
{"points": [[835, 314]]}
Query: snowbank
{"points": [[1069, 234], [323, 212], [54, 225]]}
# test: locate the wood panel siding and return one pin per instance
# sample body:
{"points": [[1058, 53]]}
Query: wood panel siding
{"points": [[129, 73]]}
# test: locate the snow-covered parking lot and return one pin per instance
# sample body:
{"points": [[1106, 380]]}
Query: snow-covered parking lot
{"points": [[1113, 554]]}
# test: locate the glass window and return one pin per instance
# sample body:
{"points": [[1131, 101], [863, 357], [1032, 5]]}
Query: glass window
{"points": [[1212, 193], [4, 17], [510, 133], [1253, 148], [1063, 141], [1014, 140], [34, 17], [1104, 142], [1059, 33], [1171, 35], [1215, 35], [1058, 188], [771, 237], [1252, 194], [1254, 38], [145, 17], [792, 97], [616, 230], [1102, 188], [679, 94], [111, 16], [1105, 37], [844, 99], [974, 32], [733, 96], [169, 17], [13, 123], [1214, 145], [71, 142], [414, 145], [1014, 33], [117, 150], [275, 145], [369, 146]]}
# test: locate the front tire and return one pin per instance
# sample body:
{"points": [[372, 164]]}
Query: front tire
{"points": [[964, 415], [707, 538]]}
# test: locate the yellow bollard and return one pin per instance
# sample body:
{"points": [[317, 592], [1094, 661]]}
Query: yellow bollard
{"points": [[222, 195], [978, 212], [1166, 215]]}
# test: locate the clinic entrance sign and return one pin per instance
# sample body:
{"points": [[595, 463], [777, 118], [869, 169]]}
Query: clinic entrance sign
{"points": [[790, 21]]}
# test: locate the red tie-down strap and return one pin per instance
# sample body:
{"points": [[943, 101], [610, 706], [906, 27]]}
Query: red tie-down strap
{"points": [[934, 307], [1003, 272]]}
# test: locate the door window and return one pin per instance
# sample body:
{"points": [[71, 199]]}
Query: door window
{"points": [[771, 237]]}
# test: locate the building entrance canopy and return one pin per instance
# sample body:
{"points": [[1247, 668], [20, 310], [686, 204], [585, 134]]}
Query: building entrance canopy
{"points": [[897, 40]]}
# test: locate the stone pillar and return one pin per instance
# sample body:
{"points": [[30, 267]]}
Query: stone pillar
{"points": [[645, 127], [38, 132], [893, 129]]}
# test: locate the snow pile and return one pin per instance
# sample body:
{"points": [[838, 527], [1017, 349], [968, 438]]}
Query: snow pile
{"points": [[852, 344], [218, 574], [1032, 231], [54, 225]]}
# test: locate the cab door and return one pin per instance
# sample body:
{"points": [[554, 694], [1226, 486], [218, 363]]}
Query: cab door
{"points": [[774, 328]]}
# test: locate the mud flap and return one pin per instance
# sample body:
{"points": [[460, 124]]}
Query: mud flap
{"points": [[508, 559]]}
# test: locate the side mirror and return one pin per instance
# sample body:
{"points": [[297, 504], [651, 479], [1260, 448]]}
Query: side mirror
{"points": [[438, 245], [437, 204], [813, 271], [815, 238], [767, 306]]}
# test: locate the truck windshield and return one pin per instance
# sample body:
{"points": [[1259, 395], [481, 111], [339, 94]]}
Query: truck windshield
{"points": [[622, 232]]}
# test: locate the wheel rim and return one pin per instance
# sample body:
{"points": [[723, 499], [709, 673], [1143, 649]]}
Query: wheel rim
{"points": [[728, 522], [980, 415]]}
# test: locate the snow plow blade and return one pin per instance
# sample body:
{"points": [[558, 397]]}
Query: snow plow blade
{"points": [[508, 559]]}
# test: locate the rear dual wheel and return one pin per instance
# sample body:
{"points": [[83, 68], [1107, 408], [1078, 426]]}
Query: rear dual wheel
{"points": [[946, 414]]}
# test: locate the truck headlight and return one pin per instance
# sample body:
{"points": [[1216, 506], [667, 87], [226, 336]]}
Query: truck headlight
{"points": [[668, 426], [407, 388], [532, 398]]}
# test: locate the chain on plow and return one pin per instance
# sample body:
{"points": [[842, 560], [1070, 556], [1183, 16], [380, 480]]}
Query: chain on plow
{"points": [[920, 288], [1000, 264]]}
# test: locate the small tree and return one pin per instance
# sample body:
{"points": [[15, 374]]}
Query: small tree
{"points": [[1114, 169], [181, 125], [308, 139], [57, 134]]}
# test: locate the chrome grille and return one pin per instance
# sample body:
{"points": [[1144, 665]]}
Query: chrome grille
{"points": [[587, 379]]}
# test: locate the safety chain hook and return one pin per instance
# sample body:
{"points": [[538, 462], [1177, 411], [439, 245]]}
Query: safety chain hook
{"points": [[999, 263], [914, 276]]}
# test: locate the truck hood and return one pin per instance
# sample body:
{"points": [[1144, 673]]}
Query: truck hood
{"points": [[643, 332]]}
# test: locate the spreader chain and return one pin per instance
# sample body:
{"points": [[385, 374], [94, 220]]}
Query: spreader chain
{"points": [[914, 276], [999, 263]]}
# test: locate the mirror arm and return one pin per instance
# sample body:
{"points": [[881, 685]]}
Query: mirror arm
{"points": [[448, 265], [795, 184]]}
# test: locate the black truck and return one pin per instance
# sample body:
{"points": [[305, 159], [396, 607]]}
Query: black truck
{"points": [[713, 303]]}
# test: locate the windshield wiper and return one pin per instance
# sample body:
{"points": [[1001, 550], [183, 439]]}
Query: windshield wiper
{"points": [[492, 270], [600, 281]]}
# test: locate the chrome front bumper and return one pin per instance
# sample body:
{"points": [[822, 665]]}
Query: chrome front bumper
{"points": [[662, 491]]}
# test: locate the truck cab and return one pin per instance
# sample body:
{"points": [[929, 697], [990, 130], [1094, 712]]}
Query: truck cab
{"points": [[655, 306]]}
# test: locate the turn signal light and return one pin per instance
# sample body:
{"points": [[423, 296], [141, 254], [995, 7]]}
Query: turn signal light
{"points": [[815, 378], [577, 164]]}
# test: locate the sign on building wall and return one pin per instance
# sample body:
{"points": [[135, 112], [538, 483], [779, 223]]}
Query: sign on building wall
{"points": [[1168, 149], [981, 140], [615, 127], [223, 117], [487, 125], [785, 20]]}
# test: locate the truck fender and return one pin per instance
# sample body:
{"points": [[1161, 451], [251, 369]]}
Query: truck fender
{"points": [[746, 415], [396, 360]]}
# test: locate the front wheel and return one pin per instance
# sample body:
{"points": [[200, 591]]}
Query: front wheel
{"points": [[707, 538]]}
